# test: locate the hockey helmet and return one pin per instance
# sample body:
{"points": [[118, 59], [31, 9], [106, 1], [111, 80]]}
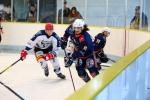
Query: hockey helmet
{"points": [[79, 23], [106, 29], [49, 26]]}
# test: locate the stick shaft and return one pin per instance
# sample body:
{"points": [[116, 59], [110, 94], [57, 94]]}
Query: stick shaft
{"points": [[10, 66], [70, 73], [12, 91]]}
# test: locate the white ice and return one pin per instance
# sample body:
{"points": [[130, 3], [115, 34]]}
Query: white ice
{"points": [[28, 80]]}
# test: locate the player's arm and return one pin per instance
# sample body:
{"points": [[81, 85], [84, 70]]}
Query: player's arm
{"points": [[30, 44], [89, 43], [65, 37], [54, 53]]}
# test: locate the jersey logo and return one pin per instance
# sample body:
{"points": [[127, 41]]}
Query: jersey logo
{"points": [[98, 41], [81, 38], [45, 44]]}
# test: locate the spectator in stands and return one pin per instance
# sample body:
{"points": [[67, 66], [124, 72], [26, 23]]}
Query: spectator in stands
{"points": [[66, 12], [2, 15], [7, 12], [74, 14], [32, 13], [135, 22]]}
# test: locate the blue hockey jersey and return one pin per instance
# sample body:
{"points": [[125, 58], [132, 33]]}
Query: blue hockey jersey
{"points": [[68, 32], [99, 42], [83, 45]]}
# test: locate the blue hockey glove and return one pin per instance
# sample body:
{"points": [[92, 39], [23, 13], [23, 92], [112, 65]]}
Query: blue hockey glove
{"points": [[63, 43], [68, 61]]}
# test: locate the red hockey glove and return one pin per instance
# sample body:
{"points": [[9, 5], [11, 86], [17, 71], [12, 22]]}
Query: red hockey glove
{"points": [[49, 56], [23, 54]]}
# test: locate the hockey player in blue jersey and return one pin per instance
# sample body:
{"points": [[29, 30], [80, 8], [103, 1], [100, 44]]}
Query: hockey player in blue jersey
{"points": [[99, 44], [46, 45], [83, 51]]}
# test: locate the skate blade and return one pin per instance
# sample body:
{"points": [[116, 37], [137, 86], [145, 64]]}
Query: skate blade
{"points": [[106, 65]]}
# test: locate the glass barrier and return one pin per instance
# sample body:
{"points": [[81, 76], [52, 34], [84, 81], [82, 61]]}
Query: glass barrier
{"points": [[32, 12], [47, 11], [146, 15], [96, 12], [137, 16], [21, 9], [117, 13], [70, 10]]}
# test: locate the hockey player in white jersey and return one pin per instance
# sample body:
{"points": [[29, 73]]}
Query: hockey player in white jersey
{"points": [[46, 45]]}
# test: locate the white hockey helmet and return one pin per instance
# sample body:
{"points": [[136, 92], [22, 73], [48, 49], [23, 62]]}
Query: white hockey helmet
{"points": [[106, 29], [79, 23]]}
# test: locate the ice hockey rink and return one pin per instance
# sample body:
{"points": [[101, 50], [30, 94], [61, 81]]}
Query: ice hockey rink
{"points": [[27, 79]]}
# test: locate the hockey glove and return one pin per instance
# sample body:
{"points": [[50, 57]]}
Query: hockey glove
{"points": [[103, 57], [63, 43], [100, 53], [49, 56], [23, 54], [68, 61]]}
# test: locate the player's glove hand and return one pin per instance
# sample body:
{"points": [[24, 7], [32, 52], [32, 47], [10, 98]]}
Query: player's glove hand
{"points": [[68, 61], [23, 54], [49, 56], [63, 43], [103, 57]]}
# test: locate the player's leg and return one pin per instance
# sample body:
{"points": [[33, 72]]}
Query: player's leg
{"points": [[80, 67], [57, 68], [91, 67], [41, 59]]}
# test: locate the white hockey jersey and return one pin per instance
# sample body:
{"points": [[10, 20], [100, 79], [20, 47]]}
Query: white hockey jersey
{"points": [[43, 41]]}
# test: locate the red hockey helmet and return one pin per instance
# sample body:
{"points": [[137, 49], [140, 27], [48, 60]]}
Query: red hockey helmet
{"points": [[49, 26]]}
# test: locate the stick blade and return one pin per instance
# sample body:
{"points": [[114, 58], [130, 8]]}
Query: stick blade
{"points": [[106, 64]]}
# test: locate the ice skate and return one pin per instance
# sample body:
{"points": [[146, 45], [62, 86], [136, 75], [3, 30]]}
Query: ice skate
{"points": [[46, 71], [60, 75]]}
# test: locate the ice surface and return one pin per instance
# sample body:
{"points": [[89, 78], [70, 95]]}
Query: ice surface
{"points": [[28, 80]]}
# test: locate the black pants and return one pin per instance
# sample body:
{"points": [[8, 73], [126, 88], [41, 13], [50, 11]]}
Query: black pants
{"points": [[83, 64]]}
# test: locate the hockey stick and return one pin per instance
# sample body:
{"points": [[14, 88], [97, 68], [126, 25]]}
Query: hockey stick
{"points": [[12, 91], [105, 64], [70, 73], [95, 60], [10, 66], [112, 60]]}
